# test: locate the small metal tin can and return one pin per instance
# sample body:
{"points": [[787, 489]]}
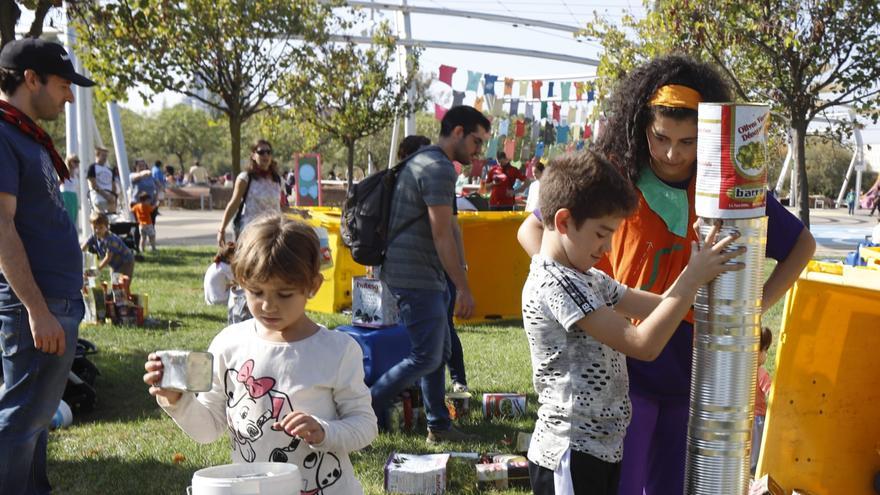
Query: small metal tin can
{"points": [[187, 371]]}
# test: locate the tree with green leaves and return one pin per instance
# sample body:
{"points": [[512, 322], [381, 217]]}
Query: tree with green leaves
{"points": [[803, 56], [353, 95], [227, 54], [184, 132]]}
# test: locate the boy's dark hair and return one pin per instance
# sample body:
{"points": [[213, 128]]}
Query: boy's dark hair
{"points": [[411, 144], [539, 167], [500, 156], [158, 163], [11, 79], [465, 116], [144, 196], [766, 338], [275, 247], [586, 184], [623, 139], [225, 253]]}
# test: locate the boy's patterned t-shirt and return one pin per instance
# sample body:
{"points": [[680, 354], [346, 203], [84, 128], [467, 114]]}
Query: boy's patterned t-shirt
{"points": [[581, 383]]}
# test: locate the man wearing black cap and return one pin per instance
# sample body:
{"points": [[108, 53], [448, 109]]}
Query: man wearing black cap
{"points": [[40, 262]]}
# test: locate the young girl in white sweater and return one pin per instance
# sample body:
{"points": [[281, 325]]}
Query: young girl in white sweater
{"points": [[285, 389]]}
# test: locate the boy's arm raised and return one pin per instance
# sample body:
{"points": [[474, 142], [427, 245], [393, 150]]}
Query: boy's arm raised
{"points": [[646, 341]]}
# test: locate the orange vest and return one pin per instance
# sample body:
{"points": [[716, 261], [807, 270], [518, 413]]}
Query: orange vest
{"points": [[645, 254]]}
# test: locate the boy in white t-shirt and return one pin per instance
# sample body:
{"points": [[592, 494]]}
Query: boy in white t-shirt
{"points": [[576, 321]]}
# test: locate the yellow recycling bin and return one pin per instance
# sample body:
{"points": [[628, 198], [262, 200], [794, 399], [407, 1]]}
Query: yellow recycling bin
{"points": [[497, 265], [822, 433], [335, 293]]}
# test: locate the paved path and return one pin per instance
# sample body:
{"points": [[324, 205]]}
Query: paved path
{"points": [[836, 232], [178, 227]]}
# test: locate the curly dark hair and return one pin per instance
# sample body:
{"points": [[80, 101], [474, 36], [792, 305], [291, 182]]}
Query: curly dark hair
{"points": [[623, 139]]}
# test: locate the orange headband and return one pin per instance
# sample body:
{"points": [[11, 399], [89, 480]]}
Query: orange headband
{"points": [[676, 96]]}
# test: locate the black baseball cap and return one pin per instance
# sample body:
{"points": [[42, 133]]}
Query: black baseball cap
{"points": [[44, 57]]}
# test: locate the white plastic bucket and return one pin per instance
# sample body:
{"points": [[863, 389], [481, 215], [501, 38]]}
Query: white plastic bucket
{"points": [[258, 478]]}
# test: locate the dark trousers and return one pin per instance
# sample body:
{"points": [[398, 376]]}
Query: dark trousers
{"points": [[589, 475], [456, 358]]}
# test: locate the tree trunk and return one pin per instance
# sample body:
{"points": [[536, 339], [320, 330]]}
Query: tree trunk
{"points": [[350, 146], [180, 162], [9, 14], [235, 136], [799, 129], [39, 17]]}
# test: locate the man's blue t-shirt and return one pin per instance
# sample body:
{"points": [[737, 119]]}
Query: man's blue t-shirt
{"points": [[145, 184], [159, 175], [42, 223]]}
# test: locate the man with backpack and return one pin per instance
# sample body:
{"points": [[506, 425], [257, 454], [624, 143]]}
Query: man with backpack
{"points": [[421, 249]]}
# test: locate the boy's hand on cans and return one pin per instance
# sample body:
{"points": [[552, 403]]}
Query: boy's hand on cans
{"points": [[300, 424], [714, 258], [153, 377]]}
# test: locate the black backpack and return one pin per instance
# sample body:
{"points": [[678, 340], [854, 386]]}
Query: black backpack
{"points": [[79, 393], [366, 215]]}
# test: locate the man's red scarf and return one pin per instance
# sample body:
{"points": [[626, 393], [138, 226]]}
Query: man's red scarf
{"points": [[24, 123]]}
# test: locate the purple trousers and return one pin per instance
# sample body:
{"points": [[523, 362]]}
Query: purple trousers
{"points": [[655, 445]]}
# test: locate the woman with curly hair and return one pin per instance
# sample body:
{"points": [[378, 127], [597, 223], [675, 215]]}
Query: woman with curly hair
{"points": [[651, 136], [257, 191]]}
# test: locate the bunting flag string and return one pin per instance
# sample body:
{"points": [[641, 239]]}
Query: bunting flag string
{"points": [[473, 80], [489, 84], [565, 87], [555, 129], [446, 72]]}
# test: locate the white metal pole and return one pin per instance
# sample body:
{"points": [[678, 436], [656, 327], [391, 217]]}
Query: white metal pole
{"points": [[411, 92], [392, 148], [121, 155], [785, 165], [793, 186], [85, 151]]}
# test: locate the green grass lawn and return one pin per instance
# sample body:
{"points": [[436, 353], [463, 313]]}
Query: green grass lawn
{"points": [[129, 446]]}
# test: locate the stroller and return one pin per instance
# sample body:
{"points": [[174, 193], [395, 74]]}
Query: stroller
{"points": [[80, 390], [128, 232]]}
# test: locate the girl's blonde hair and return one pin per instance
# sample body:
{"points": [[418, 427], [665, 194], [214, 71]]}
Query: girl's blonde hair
{"points": [[276, 247]]}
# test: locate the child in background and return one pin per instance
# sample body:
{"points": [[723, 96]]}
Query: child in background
{"points": [[218, 277], [285, 389], [143, 211], [220, 286], [109, 247], [534, 188], [763, 390], [576, 321]]}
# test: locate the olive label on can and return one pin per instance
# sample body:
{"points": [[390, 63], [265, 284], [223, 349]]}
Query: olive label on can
{"points": [[731, 160]]}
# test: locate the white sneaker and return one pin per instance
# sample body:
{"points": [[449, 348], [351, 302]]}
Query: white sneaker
{"points": [[459, 387]]}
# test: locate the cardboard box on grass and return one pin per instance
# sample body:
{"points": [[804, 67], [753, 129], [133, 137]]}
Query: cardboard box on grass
{"points": [[416, 474], [765, 485], [507, 471], [372, 304]]}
